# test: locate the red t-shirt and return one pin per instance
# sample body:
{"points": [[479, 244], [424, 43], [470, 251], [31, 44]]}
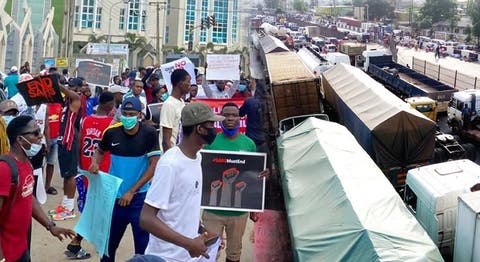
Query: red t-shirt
{"points": [[92, 132], [54, 114], [16, 220]]}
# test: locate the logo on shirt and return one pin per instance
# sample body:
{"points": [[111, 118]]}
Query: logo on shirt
{"points": [[115, 144], [27, 187]]}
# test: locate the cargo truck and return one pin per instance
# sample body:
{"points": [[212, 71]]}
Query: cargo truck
{"points": [[405, 82], [353, 50]]}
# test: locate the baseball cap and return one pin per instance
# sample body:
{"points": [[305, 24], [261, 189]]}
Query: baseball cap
{"points": [[132, 103], [8, 105], [197, 113], [154, 76], [75, 82], [13, 69]]}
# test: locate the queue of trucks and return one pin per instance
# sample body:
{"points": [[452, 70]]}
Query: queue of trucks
{"points": [[399, 136]]}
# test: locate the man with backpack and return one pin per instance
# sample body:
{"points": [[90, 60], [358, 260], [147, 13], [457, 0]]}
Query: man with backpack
{"points": [[17, 203]]}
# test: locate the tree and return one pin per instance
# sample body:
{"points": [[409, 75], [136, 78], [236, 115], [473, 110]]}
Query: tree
{"points": [[378, 9], [134, 41], [468, 32], [97, 39], [473, 10], [438, 10], [300, 5]]}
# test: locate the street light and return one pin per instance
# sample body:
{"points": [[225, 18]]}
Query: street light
{"points": [[109, 39]]}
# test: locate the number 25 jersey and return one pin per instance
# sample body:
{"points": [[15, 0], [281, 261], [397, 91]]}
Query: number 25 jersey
{"points": [[92, 132]]}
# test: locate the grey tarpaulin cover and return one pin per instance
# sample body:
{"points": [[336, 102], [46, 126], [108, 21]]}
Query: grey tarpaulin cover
{"points": [[392, 133], [340, 206]]}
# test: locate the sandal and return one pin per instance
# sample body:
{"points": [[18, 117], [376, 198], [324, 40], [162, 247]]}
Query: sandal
{"points": [[81, 254], [51, 191]]}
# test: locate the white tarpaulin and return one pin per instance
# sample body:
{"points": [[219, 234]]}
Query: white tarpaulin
{"points": [[340, 205], [223, 67]]}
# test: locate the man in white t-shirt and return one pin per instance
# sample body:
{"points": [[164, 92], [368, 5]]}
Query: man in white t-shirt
{"points": [[172, 109], [171, 213]]}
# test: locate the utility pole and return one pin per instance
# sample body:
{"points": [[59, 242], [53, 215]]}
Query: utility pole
{"points": [[158, 3]]}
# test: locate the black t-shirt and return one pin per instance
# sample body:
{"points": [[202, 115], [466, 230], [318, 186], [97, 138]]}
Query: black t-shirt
{"points": [[119, 143]]}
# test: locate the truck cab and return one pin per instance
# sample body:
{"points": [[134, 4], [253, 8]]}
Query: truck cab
{"points": [[431, 194], [470, 97], [370, 53], [424, 105]]}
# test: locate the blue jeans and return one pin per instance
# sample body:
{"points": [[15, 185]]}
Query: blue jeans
{"points": [[121, 217]]}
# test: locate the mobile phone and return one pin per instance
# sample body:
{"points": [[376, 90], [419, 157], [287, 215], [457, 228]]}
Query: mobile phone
{"points": [[211, 241]]}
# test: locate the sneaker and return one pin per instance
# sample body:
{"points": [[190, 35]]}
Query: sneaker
{"points": [[58, 209], [64, 215]]}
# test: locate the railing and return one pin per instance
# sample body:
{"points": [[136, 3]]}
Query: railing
{"points": [[445, 75]]}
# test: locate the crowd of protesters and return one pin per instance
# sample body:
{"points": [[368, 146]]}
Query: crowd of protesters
{"points": [[112, 129]]}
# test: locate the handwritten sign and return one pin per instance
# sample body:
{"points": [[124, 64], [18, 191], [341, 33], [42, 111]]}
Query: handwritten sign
{"points": [[223, 67], [41, 90], [182, 63]]}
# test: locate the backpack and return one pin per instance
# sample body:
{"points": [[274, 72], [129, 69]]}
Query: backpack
{"points": [[14, 183]]}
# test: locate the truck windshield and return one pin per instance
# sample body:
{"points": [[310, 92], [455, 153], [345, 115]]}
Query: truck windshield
{"points": [[424, 108]]}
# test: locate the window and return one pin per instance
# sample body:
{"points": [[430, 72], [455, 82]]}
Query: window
{"points": [[88, 14], [220, 11], [204, 14], [189, 20], [133, 15], [121, 19], [168, 7], [167, 33], [144, 20], [98, 18], [235, 21], [76, 16]]}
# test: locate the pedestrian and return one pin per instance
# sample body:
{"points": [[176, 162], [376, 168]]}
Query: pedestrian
{"points": [[171, 213], [243, 90], [255, 109], [54, 113], [17, 202], [160, 94], [90, 101], [68, 148], [172, 110], [437, 51], [8, 111], [192, 93], [11, 82], [232, 222], [134, 153]]}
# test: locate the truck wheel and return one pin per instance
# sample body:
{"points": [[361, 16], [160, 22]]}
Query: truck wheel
{"points": [[439, 155], [470, 151]]}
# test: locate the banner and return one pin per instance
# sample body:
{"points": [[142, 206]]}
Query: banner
{"points": [[102, 192], [231, 182], [94, 72], [41, 90], [103, 49], [223, 67], [217, 104], [182, 63]]}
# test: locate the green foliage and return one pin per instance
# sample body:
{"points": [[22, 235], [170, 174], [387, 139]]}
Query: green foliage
{"points": [[97, 39], [8, 7], [134, 41], [58, 16], [473, 10], [378, 9], [300, 5], [438, 10]]}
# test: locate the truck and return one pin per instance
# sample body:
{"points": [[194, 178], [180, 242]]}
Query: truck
{"points": [[431, 194], [465, 128], [315, 62], [406, 82], [312, 31], [353, 50], [467, 236], [339, 205]]}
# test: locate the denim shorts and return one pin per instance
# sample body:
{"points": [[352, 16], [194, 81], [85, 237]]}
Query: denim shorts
{"points": [[53, 154]]}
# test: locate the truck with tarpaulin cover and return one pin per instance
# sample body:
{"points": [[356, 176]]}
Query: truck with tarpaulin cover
{"points": [[340, 206]]}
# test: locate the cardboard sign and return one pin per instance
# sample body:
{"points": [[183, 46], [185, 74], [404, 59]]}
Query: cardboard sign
{"points": [[223, 67], [41, 90], [231, 182], [94, 72], [216, 106], [182, 63]]}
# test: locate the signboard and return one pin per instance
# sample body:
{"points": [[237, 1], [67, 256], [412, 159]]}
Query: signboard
{"points": [[182, 63], [231, 182], [95, 73], [102, 49], [216, 106], [49, 62], [61, 62], [41, 90], [223, 67]]}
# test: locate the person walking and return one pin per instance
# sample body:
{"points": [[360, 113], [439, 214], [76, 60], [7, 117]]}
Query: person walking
{"points": [[11, 82]]}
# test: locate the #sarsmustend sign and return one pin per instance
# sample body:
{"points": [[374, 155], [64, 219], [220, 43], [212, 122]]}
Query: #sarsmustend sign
{"points": [[231, 182], [41, 90]]}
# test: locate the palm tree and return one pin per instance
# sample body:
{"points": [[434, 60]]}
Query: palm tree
{"points": [[134, 42], [97, 39]]}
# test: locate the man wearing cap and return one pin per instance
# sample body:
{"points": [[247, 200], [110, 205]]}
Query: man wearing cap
{"points": [[134, 152], [8, 111], [11, 81], [153, 84], [171, 213]]}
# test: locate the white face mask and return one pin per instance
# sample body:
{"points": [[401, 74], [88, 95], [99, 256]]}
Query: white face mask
{"points": [[34, 148]]}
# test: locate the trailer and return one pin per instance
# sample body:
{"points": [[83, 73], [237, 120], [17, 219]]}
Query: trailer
{"points": [[406, 82]]}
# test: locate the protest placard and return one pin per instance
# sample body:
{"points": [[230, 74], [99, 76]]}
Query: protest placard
{"points": [[223, 67], [41, 90], [155, 110], [182, 63], [102, 192], [231, 182], [94, 72], [216, 106]]}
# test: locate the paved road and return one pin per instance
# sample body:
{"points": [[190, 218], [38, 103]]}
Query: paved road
{"points": [[46, 248]]}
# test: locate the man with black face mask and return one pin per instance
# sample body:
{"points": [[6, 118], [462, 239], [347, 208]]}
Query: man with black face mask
{"points": [[171, 213]]}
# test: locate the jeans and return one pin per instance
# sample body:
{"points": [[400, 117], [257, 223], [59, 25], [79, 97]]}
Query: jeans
{"points": [[121, 217]]}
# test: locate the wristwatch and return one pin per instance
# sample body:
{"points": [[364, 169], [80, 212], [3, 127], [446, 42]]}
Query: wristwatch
{"points": [[50, 225]]}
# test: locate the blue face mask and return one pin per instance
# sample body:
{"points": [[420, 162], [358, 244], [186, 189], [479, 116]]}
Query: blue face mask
{"points": [[34, 148], [129, 122], [229, 132], [164, 97], [242, 88], [8, 119]]}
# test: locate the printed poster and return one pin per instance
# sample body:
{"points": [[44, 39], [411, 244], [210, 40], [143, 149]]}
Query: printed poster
{"points": [[231, 182], [155, 110], [102, 192], [41, 90], [94, 72], [223, 67], [182, 63]]}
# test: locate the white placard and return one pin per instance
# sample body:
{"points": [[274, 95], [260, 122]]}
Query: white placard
{"points": [[223, 67], [182, 63]]}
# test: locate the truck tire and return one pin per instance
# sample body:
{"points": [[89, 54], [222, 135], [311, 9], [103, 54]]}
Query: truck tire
{"points": [[439, 155], [470, 151]]}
